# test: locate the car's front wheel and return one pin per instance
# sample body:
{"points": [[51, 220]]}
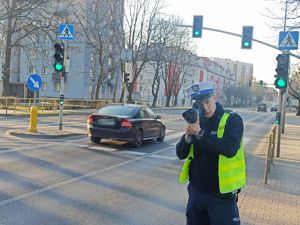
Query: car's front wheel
{"points": [[95, 139], [138, 141], [162, 134]]}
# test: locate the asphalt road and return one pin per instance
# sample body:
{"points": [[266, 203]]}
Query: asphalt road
{"points": [[73, 181]]}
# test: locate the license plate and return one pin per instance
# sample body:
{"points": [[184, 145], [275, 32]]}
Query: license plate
{"points": [[106, 122]]}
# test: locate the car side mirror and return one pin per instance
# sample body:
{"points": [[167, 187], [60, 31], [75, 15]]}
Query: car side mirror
{"points": [[158, 117]]}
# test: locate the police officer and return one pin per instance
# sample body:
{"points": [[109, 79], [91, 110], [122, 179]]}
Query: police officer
{"points": [[216, 169]]}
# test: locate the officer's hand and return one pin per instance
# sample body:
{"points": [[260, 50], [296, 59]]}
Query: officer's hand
{"points": [[192, 129]]}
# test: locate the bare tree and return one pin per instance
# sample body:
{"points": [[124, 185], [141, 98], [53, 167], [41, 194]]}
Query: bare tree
{"points": [[139, 25], [177, 61], [21, 20], [287, 17], [161, 37], [294, 87], [100, 27], [284, 13]]}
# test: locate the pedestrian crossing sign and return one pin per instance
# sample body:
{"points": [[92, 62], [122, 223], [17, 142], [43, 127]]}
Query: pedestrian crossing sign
{"points": [[66, 31], [288, 40]]}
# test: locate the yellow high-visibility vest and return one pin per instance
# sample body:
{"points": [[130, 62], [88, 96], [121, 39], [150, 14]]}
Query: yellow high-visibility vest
{"points": [[231, 171], [184, 173]]}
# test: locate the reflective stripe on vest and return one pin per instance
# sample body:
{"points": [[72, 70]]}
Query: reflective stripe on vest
{"points": [[232, 171], [184, 173]]}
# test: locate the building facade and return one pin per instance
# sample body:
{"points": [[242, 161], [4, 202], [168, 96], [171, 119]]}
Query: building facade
{"points": [[242, 72]]}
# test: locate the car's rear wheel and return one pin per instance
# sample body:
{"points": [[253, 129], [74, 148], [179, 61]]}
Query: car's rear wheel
{"points": [[95, 139], [162, 134], [138, 141]]}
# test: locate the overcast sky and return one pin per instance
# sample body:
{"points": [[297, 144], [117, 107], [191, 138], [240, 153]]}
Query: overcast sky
{"points": [[232, 15]]}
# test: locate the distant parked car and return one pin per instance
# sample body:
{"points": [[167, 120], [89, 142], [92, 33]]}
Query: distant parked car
{"points": [[273, 109], [126, 122], [262, 107]]}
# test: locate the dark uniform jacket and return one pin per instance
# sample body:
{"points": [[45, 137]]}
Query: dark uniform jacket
{"points": [[203, 172]]}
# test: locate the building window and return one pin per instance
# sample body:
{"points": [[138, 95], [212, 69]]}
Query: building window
{"points": [[32, 54], [45, 70], [92, 57], [44, 86], [141, 88], [56, 86], [109, 61], [45, 54], [31, 69], [103, 90]]}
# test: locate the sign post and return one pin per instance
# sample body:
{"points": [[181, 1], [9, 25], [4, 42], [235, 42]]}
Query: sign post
{"points": [[65, 32], [34, 83]]}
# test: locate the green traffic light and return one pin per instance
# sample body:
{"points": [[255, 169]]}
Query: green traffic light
{"points": [[281, 83], [58, 67], [246, 44], [61, 102], [197, 33]]}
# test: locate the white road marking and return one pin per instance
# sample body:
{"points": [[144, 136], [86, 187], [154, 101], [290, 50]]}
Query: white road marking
{"points": [[173, 136], [164, 157], [103, 148], [246, 140], [133, 152]]}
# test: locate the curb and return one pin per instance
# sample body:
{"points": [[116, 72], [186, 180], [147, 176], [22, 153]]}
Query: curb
{"points": [[45, 134]]}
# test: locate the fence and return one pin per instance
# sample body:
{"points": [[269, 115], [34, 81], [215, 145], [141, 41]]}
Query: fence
{"points": [[270, 153], [11, 105]]}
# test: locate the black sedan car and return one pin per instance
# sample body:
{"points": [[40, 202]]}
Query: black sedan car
{"points": [[273, 109], [262, 107], [125, 122]]}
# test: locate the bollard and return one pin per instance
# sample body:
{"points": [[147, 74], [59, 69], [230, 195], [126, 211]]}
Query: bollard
{"points": [[33, 119]]}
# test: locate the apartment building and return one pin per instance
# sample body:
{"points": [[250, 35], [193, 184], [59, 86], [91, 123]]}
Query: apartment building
{"points": [[85, 66], [242, 72]]}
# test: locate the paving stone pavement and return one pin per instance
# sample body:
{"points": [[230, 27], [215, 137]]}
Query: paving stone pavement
{"points": [[278, 201]]}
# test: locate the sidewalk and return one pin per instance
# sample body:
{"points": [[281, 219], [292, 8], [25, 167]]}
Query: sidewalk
{"points": [[278, 202]]}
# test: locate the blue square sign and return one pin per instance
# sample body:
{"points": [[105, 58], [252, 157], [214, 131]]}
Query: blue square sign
{"points": [[288, 40], [66, 31]]}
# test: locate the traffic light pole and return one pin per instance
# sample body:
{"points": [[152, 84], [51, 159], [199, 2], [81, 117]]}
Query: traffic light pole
{"points": [[62, 87], [237, 35], [284, 110], [279, 130]]}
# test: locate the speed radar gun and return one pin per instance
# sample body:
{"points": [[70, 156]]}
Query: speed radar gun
{"points": [[198, 93]]}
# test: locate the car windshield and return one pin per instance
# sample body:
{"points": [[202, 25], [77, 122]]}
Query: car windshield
{"points": [[119, 110]]}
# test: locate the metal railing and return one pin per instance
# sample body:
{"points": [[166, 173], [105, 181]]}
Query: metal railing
{"points": [[270, 153], [14, 106]]}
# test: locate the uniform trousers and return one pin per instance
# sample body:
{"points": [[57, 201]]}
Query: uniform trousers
{"points": [[206, 208]]}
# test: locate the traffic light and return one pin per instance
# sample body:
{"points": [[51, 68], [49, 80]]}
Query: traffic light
{"points": [[247, 37], [59, 57], [278, 117], [282, 71], [126, 78], [197, 26], [61, 99], [261, 83]]}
